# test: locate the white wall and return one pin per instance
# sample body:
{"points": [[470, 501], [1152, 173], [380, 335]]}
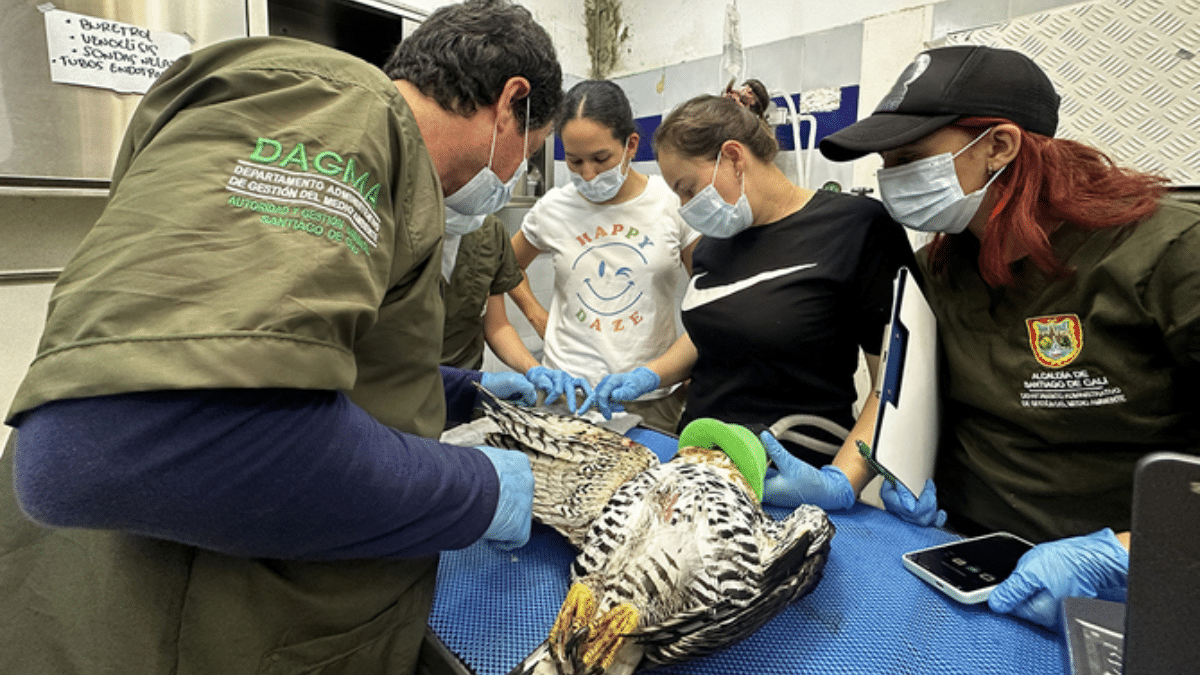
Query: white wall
{"points": [[666, 32], [673, 31], [565, 23]]}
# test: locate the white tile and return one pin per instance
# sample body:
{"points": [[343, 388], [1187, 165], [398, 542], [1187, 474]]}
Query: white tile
{"points": [[833, 58], [686, 80], [644, 91], [779, 65], [959, 15], [1019, 8]]}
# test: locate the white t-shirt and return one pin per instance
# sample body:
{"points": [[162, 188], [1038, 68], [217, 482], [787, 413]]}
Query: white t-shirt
{"points": [[616, 270]]}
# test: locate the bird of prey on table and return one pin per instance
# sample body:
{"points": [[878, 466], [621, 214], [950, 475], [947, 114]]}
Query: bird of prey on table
{"points": [[676, 560]]}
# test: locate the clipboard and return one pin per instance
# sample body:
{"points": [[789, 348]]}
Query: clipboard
{"points": [[904, 447]]}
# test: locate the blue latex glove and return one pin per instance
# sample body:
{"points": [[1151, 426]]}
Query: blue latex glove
{"points": [[620, 387], [900, 502], [514, 509], [510, 387], [1094, 565], [798, 483], [558, 383]]}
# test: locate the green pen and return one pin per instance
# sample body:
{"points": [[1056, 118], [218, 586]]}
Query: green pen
{"points": [[869, 455]]}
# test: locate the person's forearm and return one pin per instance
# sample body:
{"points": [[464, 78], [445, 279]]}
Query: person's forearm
{"points": [[504, 340], [675, 364], [522, 295], [510, 349], [529, 305], [848, 458]]}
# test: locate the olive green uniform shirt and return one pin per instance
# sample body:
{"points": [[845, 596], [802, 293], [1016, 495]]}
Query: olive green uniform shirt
{"points": [[486, 265], [275, 221], [1055, 388]]}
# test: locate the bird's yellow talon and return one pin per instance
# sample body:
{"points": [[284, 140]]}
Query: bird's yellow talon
{"points": [[576, 613], [608, 635]]}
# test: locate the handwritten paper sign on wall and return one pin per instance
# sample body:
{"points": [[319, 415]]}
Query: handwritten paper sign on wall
{"points": [[108, 54]]}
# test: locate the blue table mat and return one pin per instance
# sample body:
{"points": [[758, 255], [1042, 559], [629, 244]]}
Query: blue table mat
{"points": [[867, 615]]}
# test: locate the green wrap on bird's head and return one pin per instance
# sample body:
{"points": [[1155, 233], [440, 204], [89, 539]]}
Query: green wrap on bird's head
{"points": [[735, 440]]}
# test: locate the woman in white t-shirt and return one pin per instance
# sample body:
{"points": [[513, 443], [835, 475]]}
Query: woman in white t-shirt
{"points": [[618, 245]]}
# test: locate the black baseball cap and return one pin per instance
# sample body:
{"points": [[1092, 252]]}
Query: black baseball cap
{"points": [[945, 84]]}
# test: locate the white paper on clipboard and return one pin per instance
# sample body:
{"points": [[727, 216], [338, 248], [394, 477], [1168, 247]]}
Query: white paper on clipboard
{"points": [[906, 424]]}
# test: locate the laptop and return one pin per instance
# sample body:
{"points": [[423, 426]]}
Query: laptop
{"points": [[1157, 631]]}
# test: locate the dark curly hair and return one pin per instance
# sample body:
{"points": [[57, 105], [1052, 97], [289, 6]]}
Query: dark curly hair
{"points": [[463, 54]]}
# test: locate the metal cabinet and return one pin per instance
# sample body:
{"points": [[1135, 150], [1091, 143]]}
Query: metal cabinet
{"points": [[60, 137], [65, 135]]}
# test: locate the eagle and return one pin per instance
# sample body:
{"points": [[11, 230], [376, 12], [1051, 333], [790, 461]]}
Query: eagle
{"points": [[676, 560]]}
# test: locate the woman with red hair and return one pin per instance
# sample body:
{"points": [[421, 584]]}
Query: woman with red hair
{"points": [[1067, 294]]}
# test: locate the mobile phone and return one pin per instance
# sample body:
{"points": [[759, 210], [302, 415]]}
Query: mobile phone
{"points": [[968, 569]]}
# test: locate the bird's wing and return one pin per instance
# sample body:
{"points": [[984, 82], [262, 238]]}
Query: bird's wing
{"points": [[627, 515], [745, 584], [577, 465]]}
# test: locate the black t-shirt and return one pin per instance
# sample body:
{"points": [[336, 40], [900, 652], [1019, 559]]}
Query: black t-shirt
{"points": [[778, 312]]}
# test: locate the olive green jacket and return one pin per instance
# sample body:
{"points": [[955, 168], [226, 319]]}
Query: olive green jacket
{"points": [[486, 265], [1054, 388], [275, 221]]}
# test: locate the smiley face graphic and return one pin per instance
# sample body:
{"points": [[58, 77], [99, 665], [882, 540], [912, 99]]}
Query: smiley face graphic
{"points": [[609, 283]]}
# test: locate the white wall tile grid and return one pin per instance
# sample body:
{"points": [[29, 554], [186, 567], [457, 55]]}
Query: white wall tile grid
{"points": [[1129, 75]]}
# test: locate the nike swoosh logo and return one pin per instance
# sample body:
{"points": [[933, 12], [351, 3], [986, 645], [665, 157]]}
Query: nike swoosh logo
{"points": [[702, 296]]}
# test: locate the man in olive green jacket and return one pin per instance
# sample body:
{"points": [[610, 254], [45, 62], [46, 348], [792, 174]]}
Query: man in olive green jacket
{"points": [[221, 458]]}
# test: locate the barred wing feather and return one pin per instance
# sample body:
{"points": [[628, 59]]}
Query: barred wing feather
{"points": [[793, 565], [577, 466]]}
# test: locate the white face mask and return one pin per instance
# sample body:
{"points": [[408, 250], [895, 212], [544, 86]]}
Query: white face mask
{"points": [[604, 185], [450, 255], [925, 195], [709, 214], [485, 193], [458, 224]]}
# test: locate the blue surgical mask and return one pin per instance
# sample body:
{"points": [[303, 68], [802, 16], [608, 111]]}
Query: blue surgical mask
{"points": [[604, 185], [458, 224], [925, 195], [709, 214], [485, 193]]}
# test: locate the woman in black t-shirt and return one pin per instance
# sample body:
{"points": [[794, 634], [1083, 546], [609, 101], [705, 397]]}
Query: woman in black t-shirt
{"points": [[789, 286]]}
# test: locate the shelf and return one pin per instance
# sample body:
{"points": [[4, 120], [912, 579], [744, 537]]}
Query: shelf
{"points": [[19, 186]]}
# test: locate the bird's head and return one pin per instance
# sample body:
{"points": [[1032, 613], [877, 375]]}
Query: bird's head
{"points": [[737, 444]]}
